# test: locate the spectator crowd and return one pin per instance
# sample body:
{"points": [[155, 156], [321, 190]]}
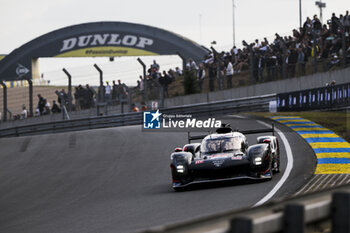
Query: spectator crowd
{"points": [[156, 82], [284, 57], [269, 60]]}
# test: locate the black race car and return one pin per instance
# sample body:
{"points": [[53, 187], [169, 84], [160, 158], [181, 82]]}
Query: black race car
{"points": [[223, 156]]}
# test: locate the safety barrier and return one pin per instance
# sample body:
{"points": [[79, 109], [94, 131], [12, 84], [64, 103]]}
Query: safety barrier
{"points": [[317, 212], [336, 96], [257, 103]]}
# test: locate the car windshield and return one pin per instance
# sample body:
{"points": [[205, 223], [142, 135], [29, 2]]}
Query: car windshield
{"points": [[220, 145]]}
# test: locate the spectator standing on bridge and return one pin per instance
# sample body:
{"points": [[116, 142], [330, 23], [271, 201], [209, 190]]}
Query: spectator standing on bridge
{"points": [[142, 84], [306, 26], [222, 71], [62, 99], [334, 23], [55, 108], [229, 74], [41, 104], [47, 108], [164, 81], [79, 98], [347, 22], [37, 112], [114, 93], [200, 76], [90, 93], [261, 66], [122, 90], [178, 71], [24, 113], [292, 60], [62, 96], [191, 65], [108, 93], [316, 25], [271, 61], [155, 66]]}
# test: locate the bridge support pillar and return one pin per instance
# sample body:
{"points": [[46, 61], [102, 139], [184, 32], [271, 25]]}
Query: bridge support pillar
{"points": [[30, 83], [4, 87]]}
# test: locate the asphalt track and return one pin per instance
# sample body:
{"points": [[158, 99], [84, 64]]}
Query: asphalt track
{"points": [[118, 180]]}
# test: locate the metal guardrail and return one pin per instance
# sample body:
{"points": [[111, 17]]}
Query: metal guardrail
{"points": [[327, 211], [257, 103]]}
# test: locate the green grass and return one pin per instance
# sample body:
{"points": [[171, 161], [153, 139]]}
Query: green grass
{"points": [[338, 122]]}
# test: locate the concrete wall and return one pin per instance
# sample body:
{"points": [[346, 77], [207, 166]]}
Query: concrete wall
{"points": [[280, 86]]}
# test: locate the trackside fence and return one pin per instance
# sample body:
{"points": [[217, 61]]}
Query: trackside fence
{"points": [[327, 211], [257, 103]]}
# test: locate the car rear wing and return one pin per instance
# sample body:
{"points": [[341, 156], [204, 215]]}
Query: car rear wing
{"points": [[254, 131]]}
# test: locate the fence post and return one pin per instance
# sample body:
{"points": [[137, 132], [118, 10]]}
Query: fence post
{"points": [[130, 102], [30, 83], [4, 87], [162, 96], [341, 212], [100, 96], [241, 225], [70, 98], [144, 79], [293, 218]]}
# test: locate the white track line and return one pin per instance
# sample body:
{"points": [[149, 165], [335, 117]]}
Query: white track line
{"points": [[319, 177], [238, 116], [323, 184], [344, 180], [286, 172], [340, 177], [329, 183], [322, 180], [306, 185]]}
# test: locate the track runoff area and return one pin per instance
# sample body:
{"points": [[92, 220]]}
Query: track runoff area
{"points": [[332, 153]]}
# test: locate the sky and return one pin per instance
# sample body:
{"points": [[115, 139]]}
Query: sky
{"points": [[200, 20]]}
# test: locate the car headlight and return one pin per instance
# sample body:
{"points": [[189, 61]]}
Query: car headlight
{"points": [[258, 161], [180, 168]]}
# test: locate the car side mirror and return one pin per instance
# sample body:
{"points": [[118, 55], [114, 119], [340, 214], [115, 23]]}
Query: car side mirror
{"points": [[243, 147]]}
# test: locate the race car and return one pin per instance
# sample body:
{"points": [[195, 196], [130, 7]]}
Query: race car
{"points": [[223, 156]]}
